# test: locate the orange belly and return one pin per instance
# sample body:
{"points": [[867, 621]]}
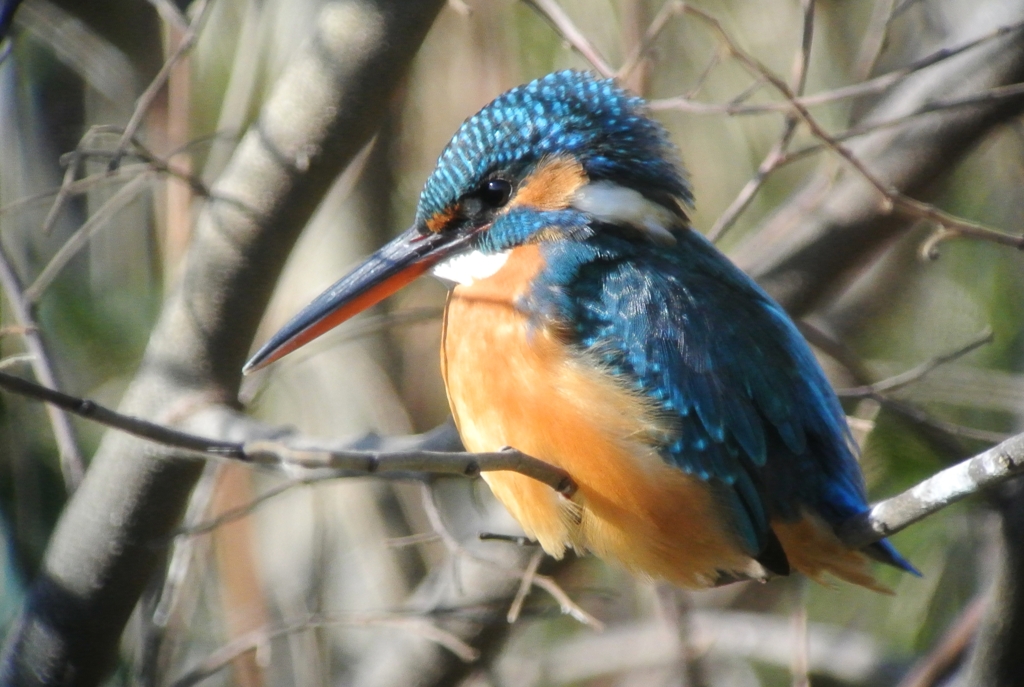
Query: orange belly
{"points": [[510, 385]]}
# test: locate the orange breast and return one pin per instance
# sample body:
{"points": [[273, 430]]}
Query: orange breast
{"points": [[510, 385]]}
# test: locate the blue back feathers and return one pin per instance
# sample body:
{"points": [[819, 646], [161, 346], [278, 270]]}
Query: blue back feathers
{"points": [[752, 411], [564, 113]]}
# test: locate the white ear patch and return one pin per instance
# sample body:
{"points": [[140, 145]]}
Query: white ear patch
{"points": [[616, 204], [466, 268]]}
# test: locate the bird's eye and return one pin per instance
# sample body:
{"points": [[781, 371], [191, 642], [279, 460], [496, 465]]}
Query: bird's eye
{"points": [[495, 193]]}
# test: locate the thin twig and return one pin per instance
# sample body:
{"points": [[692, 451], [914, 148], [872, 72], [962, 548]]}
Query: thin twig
{"points": [[872, 86], [156, 163], [70, 171], [716, 59], [145, 100], [770, 163], [565, 602], [376, 323], [845, 356], [567, 605], [70, 161], [517, 539], [525, 585], [123, 173], [556, 16], [124, 196], [252, 641], [16, 359], [412, 540], [72, 465], [233, 514], [277, 454], [170, 14], [918, 416], [874, 38], [990, 95], [433, 513], [892, 199], [777, 152], [668, 11], [803, 57], [918, 372]]}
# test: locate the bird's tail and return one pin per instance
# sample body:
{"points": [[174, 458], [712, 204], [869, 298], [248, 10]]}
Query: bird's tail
{"points": [[885, 552]]}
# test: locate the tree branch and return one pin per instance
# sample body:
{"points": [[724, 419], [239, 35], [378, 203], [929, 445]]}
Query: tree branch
{"points": [[994, 466], [308, 456]]}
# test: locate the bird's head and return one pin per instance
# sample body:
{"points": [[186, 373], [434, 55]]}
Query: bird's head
{"points": [[545, 161]]}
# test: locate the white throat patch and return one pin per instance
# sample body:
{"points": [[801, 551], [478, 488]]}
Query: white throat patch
{"points": [[466, 268]]}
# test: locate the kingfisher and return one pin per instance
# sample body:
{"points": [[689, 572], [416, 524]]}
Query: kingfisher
{"points": [[590, 326]]}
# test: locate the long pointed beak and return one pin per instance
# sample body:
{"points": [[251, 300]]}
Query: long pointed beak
{"points": [[380, 275]]}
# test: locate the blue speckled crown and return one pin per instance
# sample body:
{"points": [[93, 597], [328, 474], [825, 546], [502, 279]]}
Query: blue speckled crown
{"points": [[567, 112]]}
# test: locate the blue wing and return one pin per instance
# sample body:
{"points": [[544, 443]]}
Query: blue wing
{"points": [[753, 413]]}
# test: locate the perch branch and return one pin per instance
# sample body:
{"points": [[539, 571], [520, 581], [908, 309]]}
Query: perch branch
{"points": [[994, 466], [277, 454]]}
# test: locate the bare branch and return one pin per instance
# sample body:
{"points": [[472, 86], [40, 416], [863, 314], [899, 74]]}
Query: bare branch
{"points": [[200, 12], [277, 454], [669, 10], [988, 96], [776, 156], [769, 164], [874, 38], [72, 465], [567, 605], [170, 14], [560, 21], [873, 86], [915, 374], [233, 514], [99, 219], [892, 199], [845, 653], [921, 417], [123, 173], [253, 641], [529, 575], [994, 466]]}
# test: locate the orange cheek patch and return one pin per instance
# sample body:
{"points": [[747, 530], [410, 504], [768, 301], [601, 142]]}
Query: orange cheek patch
{"points": [[551, 186], [440, 220]]}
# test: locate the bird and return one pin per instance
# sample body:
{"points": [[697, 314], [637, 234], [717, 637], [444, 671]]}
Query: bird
{"points": [[589, 325]]}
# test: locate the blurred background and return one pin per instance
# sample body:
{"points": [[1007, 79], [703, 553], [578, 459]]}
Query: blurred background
{"points": [[318, 573]]}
